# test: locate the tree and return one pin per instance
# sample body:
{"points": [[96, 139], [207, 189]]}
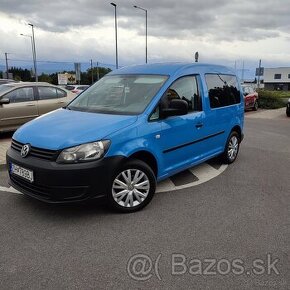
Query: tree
{"points": [[20, 74], [86, 76], [45, 78]]}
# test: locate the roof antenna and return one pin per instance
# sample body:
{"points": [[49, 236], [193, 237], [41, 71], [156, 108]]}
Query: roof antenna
{"points": [[196, 56]]}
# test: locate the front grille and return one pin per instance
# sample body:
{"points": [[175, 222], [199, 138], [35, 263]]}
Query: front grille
{"points": [[29, 187], [36, 152]]}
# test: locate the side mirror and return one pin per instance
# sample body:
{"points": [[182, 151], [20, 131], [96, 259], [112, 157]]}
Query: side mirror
{"points": [[4, 101], [177, 107]]}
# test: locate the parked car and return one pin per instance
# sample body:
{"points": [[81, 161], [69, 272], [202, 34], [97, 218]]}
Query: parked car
{"points": [[76, 89], [6, 81], [134, 127], [288, 108], [250, 98], [22, 102]]}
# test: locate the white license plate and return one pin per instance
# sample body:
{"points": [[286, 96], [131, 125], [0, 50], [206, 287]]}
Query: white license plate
{"points": [[21, 172]]}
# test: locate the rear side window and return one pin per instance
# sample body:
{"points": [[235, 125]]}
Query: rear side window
{"points": [[46, 93], [222, 90]]}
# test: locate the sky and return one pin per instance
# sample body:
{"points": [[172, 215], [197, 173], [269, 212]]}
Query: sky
{"points": [[229, 32]]}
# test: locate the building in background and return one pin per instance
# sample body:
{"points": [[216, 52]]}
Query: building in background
{"points": [[277, 79]]}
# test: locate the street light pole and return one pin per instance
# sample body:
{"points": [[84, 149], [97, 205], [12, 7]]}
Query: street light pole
{"points": [[92, 73], [259, 74], [116, 33], [34, 52], [146, 33], [6, 60]]}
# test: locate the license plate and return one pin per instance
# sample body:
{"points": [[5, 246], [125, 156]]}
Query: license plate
{"points": [[21, 172]]}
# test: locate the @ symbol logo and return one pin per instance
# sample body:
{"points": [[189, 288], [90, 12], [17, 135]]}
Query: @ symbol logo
{"points": [[141, 267]]}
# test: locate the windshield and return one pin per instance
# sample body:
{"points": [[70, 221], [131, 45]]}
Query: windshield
{"points": [[119, 94]]}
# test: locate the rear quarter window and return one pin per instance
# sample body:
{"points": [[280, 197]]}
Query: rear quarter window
{"points": [[61, 93], [223, 90]]}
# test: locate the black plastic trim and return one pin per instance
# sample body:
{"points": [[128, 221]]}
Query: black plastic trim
{"points": [[193, 142]]}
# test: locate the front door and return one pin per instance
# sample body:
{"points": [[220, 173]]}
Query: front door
{"points": [[181, 136], [21, 109]]}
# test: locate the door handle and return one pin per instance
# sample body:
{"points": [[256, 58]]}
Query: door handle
{"points": [[61, 102], [199, 125], [30, 105]]}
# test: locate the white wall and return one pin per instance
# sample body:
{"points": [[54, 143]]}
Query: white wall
{"points": [[270, 72]]}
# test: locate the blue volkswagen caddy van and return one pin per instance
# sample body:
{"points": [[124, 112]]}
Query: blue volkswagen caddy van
{"points": [[134, 127]]}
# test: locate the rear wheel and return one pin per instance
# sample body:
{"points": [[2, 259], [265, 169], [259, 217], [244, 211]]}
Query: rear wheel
{"points": [[232, 148], [133, 187], [288, 113]]}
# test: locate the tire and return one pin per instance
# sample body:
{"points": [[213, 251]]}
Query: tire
{"points": [[256, 106], [134, 196], [232, 148], [288, 113]]}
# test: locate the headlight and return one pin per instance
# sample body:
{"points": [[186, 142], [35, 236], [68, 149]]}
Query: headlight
{"points": [[83, 153]]}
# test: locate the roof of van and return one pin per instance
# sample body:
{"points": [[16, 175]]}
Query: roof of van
{"points": [[173, 69]]}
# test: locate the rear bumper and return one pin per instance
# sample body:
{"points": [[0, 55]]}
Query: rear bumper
{"points": [[63, 183]]}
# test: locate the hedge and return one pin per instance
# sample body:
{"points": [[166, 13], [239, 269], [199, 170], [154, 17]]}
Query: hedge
{"points": [[273, 99]]}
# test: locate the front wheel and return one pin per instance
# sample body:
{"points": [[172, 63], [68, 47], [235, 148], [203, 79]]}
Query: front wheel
{"points": [[288, 113], [133, 187], [232, 148], [256, 106]]}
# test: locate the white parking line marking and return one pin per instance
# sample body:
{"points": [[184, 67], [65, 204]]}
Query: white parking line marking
{"points": [[207, 172], [204, 172], [165, 185], [9, 189]]}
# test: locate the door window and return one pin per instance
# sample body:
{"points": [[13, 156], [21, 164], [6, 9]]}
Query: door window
{"points": [[186, 89], [21, 95], [46, 93]]}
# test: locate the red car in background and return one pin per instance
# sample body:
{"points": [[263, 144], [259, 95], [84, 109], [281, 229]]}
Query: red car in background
{"points": [[250, 98]]}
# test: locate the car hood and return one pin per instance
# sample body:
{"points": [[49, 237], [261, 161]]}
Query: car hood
{"points": [[66, 128]]}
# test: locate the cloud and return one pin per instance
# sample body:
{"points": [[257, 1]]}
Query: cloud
{"points": [[166, 18]]}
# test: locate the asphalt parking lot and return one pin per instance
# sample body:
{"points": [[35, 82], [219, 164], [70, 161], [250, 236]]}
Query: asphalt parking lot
{"points": [[190, 238]]}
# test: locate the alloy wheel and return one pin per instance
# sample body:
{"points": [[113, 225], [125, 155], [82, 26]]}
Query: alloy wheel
{"points": [[130, 188], [233, 148]]}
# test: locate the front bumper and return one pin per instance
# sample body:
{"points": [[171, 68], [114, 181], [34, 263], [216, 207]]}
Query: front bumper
{"points": [[61, 183]]}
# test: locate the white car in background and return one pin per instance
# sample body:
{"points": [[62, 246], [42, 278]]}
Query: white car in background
{"points": [[76, 89]]}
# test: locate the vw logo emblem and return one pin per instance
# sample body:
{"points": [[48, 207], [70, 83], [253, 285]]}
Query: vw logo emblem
{"points": [[25, 150]]}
